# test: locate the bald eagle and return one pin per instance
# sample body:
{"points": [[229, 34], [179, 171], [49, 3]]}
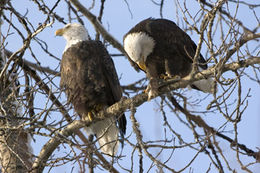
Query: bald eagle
{"points": [[162, 50], [91, 84]]}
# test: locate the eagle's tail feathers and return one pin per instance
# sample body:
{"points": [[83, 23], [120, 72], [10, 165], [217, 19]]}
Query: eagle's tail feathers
{"points": [[106, 132], [205, 85]]}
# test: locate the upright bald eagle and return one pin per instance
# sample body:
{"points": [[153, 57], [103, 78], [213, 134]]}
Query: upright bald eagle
{"points": [[162, 50], [90, 81]]}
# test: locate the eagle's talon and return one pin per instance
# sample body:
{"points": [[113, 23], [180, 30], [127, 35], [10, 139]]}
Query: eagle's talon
{"points": [[152, 88], [151, 94], [164, 77], [146, 90], [90, 116], [176, 77]]}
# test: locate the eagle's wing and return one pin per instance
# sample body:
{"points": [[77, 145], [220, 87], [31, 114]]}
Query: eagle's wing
{"points": [[110, 74], [175, 37], [67, 70], [111, 77]]}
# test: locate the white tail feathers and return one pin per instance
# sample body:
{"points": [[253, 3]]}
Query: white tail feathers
{"points": [[205, 85], [106, 132]]}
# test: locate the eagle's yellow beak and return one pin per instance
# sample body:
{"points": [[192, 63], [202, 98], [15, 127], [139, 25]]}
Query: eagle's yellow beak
{"points": [[59, 32], [142, 65]]}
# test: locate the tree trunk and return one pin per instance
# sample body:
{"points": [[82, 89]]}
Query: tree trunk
{"points": [[15, 154]]}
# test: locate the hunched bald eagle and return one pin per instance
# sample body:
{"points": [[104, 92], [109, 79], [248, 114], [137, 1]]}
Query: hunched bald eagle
{"points": [[91, 84], [162, 50]]}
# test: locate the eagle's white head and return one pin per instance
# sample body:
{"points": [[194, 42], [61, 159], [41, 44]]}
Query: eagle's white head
{"points": [[138, 46], [73, 33]]}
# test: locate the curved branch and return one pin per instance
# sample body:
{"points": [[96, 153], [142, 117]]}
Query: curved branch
{"points": [[167, 86], [52, 144], [139, 99], [35, 66], [99, 28]]}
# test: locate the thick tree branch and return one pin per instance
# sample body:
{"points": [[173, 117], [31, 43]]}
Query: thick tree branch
{"points": [[139, 99], [54, 142], [167, 86]]}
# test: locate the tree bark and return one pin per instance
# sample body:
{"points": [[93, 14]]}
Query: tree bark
{"points": [[14, 142]]}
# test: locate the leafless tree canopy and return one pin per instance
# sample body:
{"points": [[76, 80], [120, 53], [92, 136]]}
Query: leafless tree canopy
{"points": [[203, 129]]}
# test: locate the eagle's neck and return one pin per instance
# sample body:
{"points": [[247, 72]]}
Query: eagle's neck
{"points": [[138, 46], [72, 42], [73, 37]]}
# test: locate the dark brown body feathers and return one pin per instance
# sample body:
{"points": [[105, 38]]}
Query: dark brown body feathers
{"points": [[89, 78]]}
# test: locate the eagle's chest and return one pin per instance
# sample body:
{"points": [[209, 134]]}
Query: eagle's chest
{"points": [[83, 79]]}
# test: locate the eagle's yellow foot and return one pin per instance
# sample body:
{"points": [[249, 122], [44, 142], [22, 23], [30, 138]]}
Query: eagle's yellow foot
{"points": [[169, 76], [146, 90], [163, 76], [176, 77], [90, 116], [151, 94]]}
